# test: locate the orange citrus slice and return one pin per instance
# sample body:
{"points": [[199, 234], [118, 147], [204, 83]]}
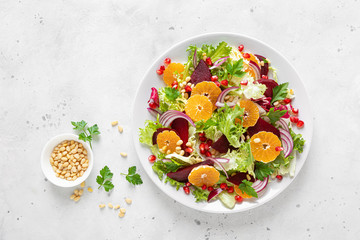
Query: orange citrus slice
{"points": [[167, 141], [204, 174], [172, 71], [251, 113], [199, 107], [240, 193], [263, 146], [207, 89]]}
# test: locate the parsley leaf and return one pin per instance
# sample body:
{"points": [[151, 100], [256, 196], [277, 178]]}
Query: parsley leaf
{"points": [[299, 141], [262, 170], [133, 177], [104, 180], [87, 133], [171, 93], [245, 187], [235, 69], [279, 92], [275, 116]]}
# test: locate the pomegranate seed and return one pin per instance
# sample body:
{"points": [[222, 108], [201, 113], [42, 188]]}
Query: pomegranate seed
{"points": [[241, 48], [209, 142], [214, 78], [162, 68], [265, 77], [167, 61], [207, 147], [295, 110], [230, 189], [186, 189], [159, 72], [204, 187], [188, 88], [223, 186], [294, 119], [188, 150], [246, 55], [217, 84], [224, 82], [287, 100], [300, 124], [202, 134], [203, 139], [209, 62], [152, 158], [238, 198], [279, 148], [174, 83], [279, 177], [202, 151], [208, 154], [188, 184], [152, 105], [210, 189], [244, 82]]}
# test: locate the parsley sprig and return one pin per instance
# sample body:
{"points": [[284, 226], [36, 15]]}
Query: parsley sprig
{"points": [[279, 92], [87, 133], [275, 116], [236, 69], [104, 180], [262, 170], [246, 187], [133, 177]]}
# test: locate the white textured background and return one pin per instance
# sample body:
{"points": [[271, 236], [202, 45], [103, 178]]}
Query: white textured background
{"points": [[73, 60]]}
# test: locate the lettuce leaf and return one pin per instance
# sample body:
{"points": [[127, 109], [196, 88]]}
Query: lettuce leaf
{"points": [[161, 168], [171, 100], [298, 141], [147, 132], [174, 183], [199, 194], [241, 159]]}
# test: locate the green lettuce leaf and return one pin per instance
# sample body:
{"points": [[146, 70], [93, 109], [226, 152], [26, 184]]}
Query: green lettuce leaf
{"points": [[161, 168], [174, 183], [241, 159], [147, 132], [199, 194], [171, 99], [298, 141]]}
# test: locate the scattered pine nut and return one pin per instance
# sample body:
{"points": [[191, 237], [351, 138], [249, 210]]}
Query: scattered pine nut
{"points": [[123, 154], [90, 189], [128, 200], [188, 144], [82, 184], [81, 192], [77, 198], [110, 205], [179, 142], [120, 128], [121, 214], [72, 197], [76, 192], [114, 123], [101, 205], [117, 207], [123, 210]]}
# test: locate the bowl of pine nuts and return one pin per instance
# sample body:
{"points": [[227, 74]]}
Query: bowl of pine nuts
{"points": [[66, 161]]}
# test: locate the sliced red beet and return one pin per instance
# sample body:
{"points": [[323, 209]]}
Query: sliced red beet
{"points": [[201, 73], [262, 125], [181, 175], [181, 126], [159, 130], [222, 145], [239, 177], [270, 84], [264, 69]]}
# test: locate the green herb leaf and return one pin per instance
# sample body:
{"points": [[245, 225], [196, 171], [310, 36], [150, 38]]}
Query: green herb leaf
{"points": [[262, 170], [236, 69], [79, 125], [104, 180], [245, 187], [298, 141], [275, 116], [279, 92], [94, 130], [133, 177], [86, 134], [171, 93]]}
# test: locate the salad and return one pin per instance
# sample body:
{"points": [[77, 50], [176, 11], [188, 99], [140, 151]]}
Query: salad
{"points": [[223, 126]]}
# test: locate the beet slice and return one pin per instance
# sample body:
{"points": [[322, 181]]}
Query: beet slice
{"points": [[262, 125], [159, 130], [264, 70], [201, 73], [270, 84], [222, 145], [239, 177], [181, 175], [181, 126]]}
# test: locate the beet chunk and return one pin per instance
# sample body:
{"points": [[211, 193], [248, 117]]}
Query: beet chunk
{"points": [[181, 175], [239, 177], [201, 73], [181, 126], [222, 145], [264, 69], [270, 84], [262, 125]]}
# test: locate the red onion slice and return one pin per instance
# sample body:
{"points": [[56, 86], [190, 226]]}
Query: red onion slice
{"points": [[214, 193], [221, 98], [219, 62], [256, 69], [283, 124], [169, 116], [258, 185], [154, 112], [287, 141], [215, 160]]}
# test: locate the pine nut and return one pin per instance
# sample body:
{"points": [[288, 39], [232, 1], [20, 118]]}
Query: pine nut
{"points": [[179, 142], [257, 140], [90, 189], [79, 168], [188, 144], [117, 207], [74, 178], [67, 175], [121, 214], [114, 123], [76, 191], [77, 198], [82, 184], [110, 205], [123, 154], [128, 200], [85, 165], [62, 149], [72, 197], [68, 178], [182, 152], [122, 210], [101, 205], [81, 191], [61, 176], [121, 129], [178, 148], [168, 152]]}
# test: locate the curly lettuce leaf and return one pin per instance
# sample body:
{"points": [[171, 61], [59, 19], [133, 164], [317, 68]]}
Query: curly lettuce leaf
{"points": [[251, 90], [241, 159], [174, 183], [161, 168], [199, 194], [171, 100], [147, 132], [299, 141]]}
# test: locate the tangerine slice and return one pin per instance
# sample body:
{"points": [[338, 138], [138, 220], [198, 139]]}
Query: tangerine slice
{"points": [[263, 146], [251, 113], [167, 140], [240, 193], [204, 174], [171, 72], [207, 89], [199, 107]]}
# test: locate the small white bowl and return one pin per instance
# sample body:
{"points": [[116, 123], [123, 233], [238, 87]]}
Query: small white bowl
{"points": [[47, 168]]}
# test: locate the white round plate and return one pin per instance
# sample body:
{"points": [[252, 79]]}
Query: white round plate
{"points": [[177, 53]]}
